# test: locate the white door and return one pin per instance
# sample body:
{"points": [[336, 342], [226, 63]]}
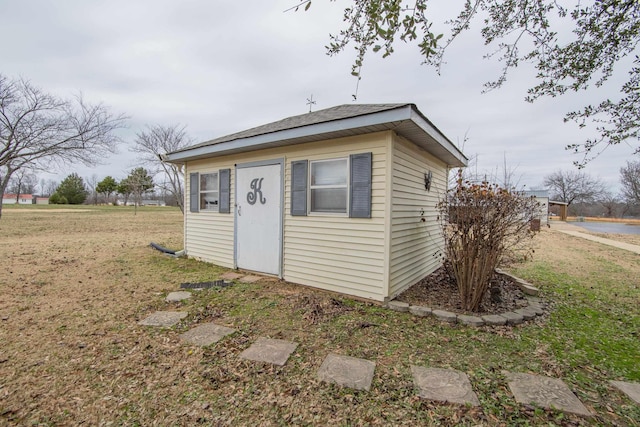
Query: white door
{"points": [[259, 218]]}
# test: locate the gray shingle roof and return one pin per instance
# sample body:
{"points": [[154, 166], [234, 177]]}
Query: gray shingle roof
{"points": [[327, 115], [331, 123]]}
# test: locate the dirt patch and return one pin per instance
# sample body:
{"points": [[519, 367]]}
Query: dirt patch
{"points": [[316, 309], [439, 290]]}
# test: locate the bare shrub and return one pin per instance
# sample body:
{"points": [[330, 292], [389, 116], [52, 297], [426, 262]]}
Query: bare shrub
{"points": [[483, 224]]}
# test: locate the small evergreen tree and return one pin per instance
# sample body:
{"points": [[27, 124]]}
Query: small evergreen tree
{"points": [[57, 199], [125, 189], [71, 190], [139, 182], [106, 187]]}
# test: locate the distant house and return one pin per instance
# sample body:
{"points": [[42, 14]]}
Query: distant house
{"points": [[42, 200], [143, 202], [342, 199], [12, 199], [542, 197], [149, 202]]}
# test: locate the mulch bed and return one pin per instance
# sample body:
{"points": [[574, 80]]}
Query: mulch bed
{"points": [[439, 290]]}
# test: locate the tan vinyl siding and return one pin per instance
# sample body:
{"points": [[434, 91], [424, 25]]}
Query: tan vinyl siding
{"points": [[209, 235], [415, 245], [339, 253], [331, 252]]}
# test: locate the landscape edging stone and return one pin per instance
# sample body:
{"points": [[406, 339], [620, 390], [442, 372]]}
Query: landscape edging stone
{"points": [[533, 308]]}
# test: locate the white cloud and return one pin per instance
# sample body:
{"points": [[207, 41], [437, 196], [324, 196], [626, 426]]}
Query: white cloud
{"points": [[221, 67]]}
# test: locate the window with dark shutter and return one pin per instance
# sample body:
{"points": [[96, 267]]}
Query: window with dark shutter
{"points": [[194, 192], [225, 193], [299, 188], [360, 186]]}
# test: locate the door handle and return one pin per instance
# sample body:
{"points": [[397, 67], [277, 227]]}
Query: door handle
{"points": [[239, 210]]}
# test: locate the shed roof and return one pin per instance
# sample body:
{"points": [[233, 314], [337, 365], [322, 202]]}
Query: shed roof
{"points": [[335, 122], [13, 196], [537, 193]]}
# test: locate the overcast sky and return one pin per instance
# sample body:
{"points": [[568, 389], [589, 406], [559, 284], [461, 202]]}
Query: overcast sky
{"points": [[219, 67]]}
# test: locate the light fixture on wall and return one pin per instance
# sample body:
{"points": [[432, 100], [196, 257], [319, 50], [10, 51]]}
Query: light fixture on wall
{"points": [[427, 180]]}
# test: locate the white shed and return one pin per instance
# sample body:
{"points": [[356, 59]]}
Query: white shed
{"points": [[342, 199]]}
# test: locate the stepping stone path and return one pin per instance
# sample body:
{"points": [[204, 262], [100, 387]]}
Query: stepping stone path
{"points": [[444, 385], [206, 334], [269, 350], [347, 371], [177, 296], [547, 392], [630, 389], [164, 319]]}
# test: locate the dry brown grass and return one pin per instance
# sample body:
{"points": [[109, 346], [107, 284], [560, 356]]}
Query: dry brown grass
{"points": [[72, 293], [74, 285]]}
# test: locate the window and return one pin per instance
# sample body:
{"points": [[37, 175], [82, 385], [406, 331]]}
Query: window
{"points": [[209, 191], [328, 185]]}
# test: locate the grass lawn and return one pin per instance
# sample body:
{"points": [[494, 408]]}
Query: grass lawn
{"points": [[75, 282]]}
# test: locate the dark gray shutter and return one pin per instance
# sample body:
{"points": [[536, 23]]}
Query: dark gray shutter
{"points": [[360, 189], [299, 188], [224, 181], [194, 192]]}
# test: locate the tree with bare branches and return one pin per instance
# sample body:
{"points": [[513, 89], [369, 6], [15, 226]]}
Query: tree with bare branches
{"points": [[38, 130], [156, 141], [630, 179], [483, 225], [574, 187], [610, 202], [22, 182]]}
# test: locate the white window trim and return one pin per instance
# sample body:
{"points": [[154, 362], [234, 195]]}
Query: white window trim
{"points": [[313, 187], [201, 192]]}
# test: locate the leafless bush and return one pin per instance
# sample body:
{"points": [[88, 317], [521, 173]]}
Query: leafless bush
{"points": [[483, 224]]}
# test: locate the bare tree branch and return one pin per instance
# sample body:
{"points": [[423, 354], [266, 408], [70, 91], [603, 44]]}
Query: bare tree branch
{"points": [[155, 141], [39, 130]]}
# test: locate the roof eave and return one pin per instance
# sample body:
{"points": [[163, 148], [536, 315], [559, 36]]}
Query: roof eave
{"points": [[389, 119]]}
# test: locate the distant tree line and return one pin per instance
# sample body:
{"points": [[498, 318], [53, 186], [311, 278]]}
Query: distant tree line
{"points": [[584, 194], [74, 191], [589, 196], [40, 131]]}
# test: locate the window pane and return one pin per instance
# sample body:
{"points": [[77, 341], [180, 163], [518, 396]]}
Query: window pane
{"points": [[329, 200], [209, 200], [209, 182], [333, 172]]}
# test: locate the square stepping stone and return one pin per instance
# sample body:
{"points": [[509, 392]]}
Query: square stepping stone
{"points": [[250, 279], [444, 385], [347, 371], [546, 392], [230, 275], [270, 350], [630, 389], [177, 296], [206, 334], [163, 318]]}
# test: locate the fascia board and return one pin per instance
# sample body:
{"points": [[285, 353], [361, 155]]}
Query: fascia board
{"points": [[435, 133], [265, 140]]}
